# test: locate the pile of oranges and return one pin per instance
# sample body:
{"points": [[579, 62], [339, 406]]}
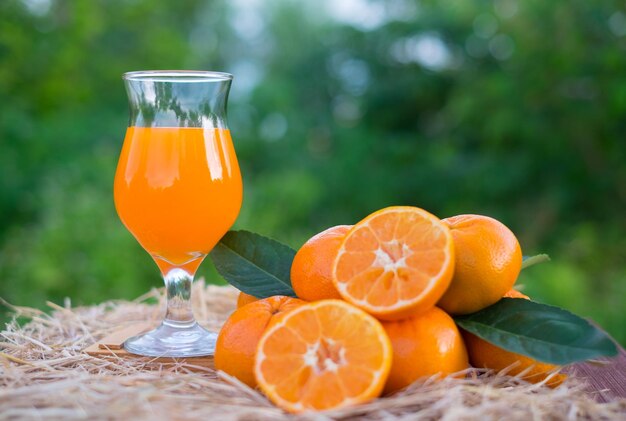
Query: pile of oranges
{"points": [[373, 312]]}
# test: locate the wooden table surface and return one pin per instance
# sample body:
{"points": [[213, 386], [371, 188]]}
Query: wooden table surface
{"points": [[606, 377]]}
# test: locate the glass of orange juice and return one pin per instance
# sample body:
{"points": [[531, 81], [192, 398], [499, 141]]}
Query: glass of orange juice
{"points": [[177, 190]]}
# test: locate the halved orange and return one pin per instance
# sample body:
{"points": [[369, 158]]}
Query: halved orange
{"points": [[395, 263], [323, 355]]}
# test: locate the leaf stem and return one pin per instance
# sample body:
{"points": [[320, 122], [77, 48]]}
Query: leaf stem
{"points": [[533, 260]]}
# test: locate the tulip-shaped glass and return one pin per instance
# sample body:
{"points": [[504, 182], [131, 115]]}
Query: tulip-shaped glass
{"points": [[177, 190]]}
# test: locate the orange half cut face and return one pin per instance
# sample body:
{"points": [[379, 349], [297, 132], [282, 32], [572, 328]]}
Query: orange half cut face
{"points": [[323, 355], [397, 262]]}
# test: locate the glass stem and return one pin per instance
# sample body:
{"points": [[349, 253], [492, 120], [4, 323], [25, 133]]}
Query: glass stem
{"points": [[178, 285]]}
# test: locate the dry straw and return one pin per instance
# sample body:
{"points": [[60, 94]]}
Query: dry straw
{"points": [[45, 375]]}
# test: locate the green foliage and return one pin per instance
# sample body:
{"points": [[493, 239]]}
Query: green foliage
{"points": [[511, 109]]}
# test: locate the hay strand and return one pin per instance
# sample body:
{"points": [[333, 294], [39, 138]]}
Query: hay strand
{"points": [[45, 375]]}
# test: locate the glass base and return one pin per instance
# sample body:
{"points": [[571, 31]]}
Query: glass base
{"points": [[173, 341]]}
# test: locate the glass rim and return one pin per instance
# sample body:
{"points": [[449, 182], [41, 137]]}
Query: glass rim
{"points": [[177, 76]]}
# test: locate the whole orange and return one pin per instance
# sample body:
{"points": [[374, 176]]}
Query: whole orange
{"points": [[244, 299], [488, 259], [311, 270], [483, 354], [424, 345], [240, 335]]}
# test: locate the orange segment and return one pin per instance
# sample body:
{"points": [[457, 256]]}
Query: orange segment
{"points": [[395, 263], [323, 355]]}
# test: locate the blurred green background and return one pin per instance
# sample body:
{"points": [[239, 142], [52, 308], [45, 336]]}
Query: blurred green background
{"points": [[507, 108]]}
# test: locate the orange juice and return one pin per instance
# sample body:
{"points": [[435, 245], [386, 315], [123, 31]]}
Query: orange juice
{"points": [[178, 190]]}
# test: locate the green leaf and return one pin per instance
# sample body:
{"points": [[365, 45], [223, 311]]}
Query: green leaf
{"points": [[539, 331], [254, 264], [528, 261]]}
